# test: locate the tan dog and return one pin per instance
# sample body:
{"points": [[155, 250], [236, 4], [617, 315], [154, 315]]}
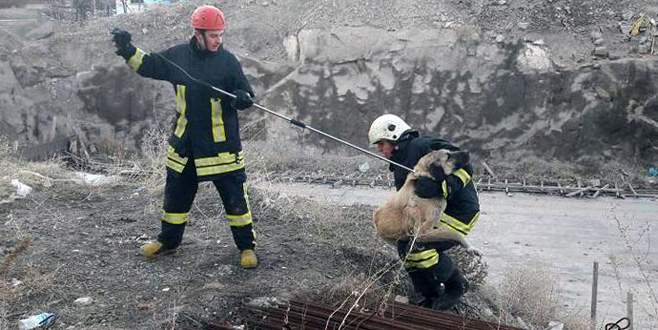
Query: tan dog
{"points": [[404, 215]]}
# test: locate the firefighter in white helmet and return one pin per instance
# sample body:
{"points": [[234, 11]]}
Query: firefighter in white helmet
{"points": [[427, 264]]}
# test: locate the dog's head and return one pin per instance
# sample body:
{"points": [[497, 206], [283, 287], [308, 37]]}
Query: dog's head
{"points": [[449, 161]]}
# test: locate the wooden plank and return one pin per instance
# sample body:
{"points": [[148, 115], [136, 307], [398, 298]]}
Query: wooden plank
{"points": [[629, 309], [632, 190], [488, 169], [598, 191], [595, 283], [579, 191]]}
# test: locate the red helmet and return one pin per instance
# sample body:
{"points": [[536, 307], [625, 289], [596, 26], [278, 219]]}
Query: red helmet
{"points": [[208, 18]]}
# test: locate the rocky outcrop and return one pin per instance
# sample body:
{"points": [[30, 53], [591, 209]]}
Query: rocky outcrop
{"points": [[498, 99]]}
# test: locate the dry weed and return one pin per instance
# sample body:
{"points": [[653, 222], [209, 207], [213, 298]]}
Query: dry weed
{"points": [[266, 158], [472, 265], [41, 175], [146, 170], [577, 320], [530, 293], [10, 259], [10, 293], [22, 284], [632, 237]]}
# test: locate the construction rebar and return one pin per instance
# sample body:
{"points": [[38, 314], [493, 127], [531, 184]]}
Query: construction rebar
{"points": [[307, 315]]}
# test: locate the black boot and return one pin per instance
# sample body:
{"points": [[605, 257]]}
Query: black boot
{"points": [[455, 287], [171, 235]]}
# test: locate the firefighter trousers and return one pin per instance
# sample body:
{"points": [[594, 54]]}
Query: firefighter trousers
{"points": [[428, 267], [180, 191]]}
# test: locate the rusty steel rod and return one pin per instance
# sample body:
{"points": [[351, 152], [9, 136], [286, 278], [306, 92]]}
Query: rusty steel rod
{"points": [[307, 315]]}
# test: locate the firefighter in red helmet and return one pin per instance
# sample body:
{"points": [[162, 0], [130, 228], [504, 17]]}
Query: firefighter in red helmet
{"points": [[205, 141]]}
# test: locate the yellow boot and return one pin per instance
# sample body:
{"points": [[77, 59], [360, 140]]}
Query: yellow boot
{"points": [[150, 249], [248, 259]]}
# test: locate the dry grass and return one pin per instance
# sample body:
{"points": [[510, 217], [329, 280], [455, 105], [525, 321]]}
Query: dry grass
{"points": [[530, 293], [37, 175], [10, 292], [528, 297], [267, 158], [636, 240], [146, 170], [20, 281], [576, 320], [534, 170]]}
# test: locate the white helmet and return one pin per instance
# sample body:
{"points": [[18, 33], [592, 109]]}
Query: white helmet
{"points": [[387, 127]]}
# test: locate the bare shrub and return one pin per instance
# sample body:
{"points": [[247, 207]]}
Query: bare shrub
{"points": [[147, 169], [530, 293], [34, 174], [268, 158], [23, 284], [350, 289], [576, 320], [10, 259], [472, 265], [9, 293], [534, 168], [636, 240], [154, 150]]}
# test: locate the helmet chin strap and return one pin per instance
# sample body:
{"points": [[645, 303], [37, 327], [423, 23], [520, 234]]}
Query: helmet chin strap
{"points": [[201, 42], [204, 42]]}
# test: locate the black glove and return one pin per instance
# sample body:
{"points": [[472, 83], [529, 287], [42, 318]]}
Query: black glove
{"points": [[121, 40], [437, 173], [426, 187], [242, 99]]}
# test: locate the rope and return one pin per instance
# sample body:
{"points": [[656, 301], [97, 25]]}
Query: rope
{"points": [[618, 325]]}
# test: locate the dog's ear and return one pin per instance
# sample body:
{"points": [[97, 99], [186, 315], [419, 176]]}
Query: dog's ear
{"points": [[459, 159]]}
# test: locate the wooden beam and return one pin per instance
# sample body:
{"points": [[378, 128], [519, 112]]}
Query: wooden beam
{"points": [[598, 191], [579, 191], [595, 284], [488, 169], [629, 310], [632, 190]]}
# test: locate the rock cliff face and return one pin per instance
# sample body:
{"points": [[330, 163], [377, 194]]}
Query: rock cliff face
{"points": [[504, 99], [499, 99]]}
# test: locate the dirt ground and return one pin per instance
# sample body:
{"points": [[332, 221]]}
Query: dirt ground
{"points": [[84, 242]]}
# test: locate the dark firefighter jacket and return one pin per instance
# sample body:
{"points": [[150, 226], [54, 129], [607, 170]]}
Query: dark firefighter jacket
{"points": [[206, 129], [463, 208]]}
